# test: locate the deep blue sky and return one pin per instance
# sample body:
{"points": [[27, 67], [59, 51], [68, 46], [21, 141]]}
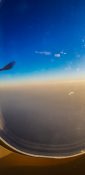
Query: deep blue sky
{"points": [[42, 36]]}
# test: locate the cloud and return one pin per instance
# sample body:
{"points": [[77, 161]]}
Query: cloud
{"points": [[46, 53], [83, 43], [63, 53], [83, 40], [57, 55], [71, 93]]}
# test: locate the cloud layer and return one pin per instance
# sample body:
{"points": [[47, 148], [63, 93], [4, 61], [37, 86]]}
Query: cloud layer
{"points": [[46, 53]]}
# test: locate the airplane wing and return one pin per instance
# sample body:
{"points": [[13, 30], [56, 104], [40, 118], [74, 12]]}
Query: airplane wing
{"points": [[8, 66]]}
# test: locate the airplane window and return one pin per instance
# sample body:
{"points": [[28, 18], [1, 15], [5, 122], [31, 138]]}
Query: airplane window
{"points": [[42, 77]]}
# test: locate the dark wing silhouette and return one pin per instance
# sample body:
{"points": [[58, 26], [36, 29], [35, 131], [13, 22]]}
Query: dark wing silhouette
{"points": [[8, 66]]}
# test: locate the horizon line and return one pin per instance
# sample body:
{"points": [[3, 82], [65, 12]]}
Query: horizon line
{"points": [[15, 83]]}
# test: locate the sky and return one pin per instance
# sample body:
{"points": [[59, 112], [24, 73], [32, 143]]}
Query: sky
{"points": [[46, 38]]}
